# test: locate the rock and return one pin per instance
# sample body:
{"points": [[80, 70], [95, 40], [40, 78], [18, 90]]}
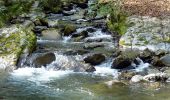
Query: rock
{"points": [[41, 22], [70, 63], [80, 36], [91, 30], [152, 85], [126, 75], [125, 59], [17, 20], [160, 53], [157, 62], [114, 82], [166, 60], [68, 13], [93, 45], [146, 32], [14, 43], [69, 29], [53, 23], [136, 79], [95, 59], [84, 34], [43, 59], [76, 52], [39, 29], [158, 77], [51, 34], [147, 55]]}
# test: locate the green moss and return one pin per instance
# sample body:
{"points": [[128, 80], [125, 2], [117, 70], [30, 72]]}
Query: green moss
{"points": [[69, 29], [18, 43]]}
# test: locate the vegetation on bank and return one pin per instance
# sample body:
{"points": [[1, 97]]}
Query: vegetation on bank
{"points": [[116, 16], [11, 9]]}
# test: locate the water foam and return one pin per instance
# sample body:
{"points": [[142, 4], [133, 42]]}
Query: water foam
{"points": [[38, 74]]}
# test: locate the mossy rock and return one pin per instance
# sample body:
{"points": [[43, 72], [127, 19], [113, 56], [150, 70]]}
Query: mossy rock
{"points": [[125, 59], [15, 44], [69, 29]]}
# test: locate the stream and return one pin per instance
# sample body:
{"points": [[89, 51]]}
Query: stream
{"points": [[30, 82]]}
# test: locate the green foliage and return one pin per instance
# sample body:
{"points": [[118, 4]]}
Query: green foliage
{"points": [[117, 21], [12, 9], [51, 5]]}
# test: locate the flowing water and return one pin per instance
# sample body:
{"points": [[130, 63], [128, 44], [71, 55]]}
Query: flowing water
{"points": [[30, 83], [45, 83]]}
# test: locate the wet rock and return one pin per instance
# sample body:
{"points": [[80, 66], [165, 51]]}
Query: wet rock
{"points": [[51, 34], [82, 34], [53, 23], [82, 5], [95, 59], [67, 13], [69, 29], [125, 59], [91, 30], [166, 60], [76, 52], [147, 55], [93, 45], [136, 79], [17, 20], [39, 29], [158, 77], [160, 53], [126, 75], [157, 62], [41, 22], [114, 82], [43, 59]]}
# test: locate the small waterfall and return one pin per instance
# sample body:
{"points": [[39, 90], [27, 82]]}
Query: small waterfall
{"points": [[142, 66]]}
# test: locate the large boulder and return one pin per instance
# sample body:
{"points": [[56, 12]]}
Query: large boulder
{"points": [[125, 59], [14, 42], [147, 55], [95, 59], [166, 60], [51, 34], [43, 59]]}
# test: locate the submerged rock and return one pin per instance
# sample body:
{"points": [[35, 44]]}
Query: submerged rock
{"points": [[93, 45], [114, 82], [95, 59]]}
